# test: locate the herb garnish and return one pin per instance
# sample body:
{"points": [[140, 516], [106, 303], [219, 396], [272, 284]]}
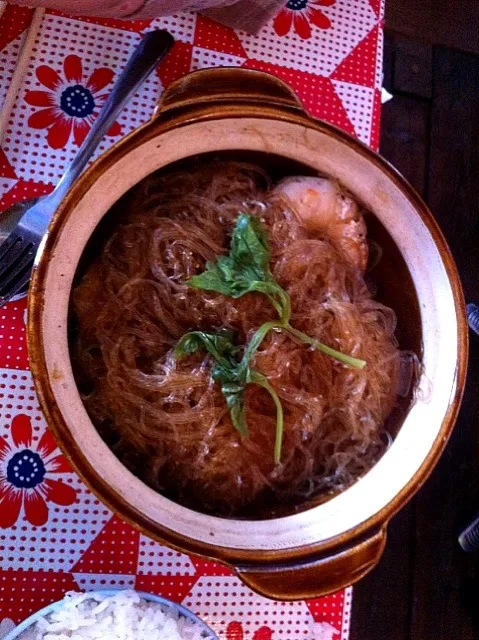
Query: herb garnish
{"points": [[233, 375], [244, 270]]}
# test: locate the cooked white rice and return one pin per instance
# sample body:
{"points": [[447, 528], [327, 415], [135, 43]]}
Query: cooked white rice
{"points": [[124, 616]]}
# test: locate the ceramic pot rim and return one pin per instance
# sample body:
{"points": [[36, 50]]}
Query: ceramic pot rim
{"points": [[47, 397]]}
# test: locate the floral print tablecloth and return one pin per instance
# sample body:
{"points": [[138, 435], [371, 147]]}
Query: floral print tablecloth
{"points": [[54, 535]]}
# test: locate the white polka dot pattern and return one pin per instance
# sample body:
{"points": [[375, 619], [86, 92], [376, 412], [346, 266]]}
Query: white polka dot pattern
{"points": [[205, 58], [226, 599], [358, 102], [95, 581], [67, 533], [181, 26], [6, 185], [154, 558], [347, 607], [352, 21]]}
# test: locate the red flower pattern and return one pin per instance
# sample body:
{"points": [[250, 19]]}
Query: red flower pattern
{"points": [[69, 103], [301, 14], [234, 631], [27, 471]]}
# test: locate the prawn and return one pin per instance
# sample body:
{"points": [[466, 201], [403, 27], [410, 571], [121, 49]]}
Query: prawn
{"points": [[321, 205]]}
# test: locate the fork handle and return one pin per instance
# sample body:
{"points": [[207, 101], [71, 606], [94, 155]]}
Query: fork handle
{"points": [[151, 50]]}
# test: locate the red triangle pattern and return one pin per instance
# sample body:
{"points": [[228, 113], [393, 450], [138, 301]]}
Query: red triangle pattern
{"points": [[13, 349], [177, 63], [224, 38], [135, 26], [13, 22], [23, 190], [209, 568], [114, 550], [315, 92], [6, 169], [318, 605], [25, 592], [376, 5], [359, 67], [329, 609], [171, 587]]}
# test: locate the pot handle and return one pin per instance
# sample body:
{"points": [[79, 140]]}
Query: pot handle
{"points": [[319, 577], [232, 86]]}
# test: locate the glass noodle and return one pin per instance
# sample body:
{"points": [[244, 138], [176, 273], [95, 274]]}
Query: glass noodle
{"points": [[165, 418]]}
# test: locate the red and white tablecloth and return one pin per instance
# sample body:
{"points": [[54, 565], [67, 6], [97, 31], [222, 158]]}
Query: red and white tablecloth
{"points": [[54, 535]]}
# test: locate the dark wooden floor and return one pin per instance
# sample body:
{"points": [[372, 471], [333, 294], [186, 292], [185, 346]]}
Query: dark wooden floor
{"points": [[425, 587], [454, 23]]}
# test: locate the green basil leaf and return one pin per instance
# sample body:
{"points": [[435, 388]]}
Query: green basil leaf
{"points": [[213, 279], [188, 344], [231, 390], [228, 372], [242, 286], [219, 345], [226, 268], [246, 268], [238, 417], [356, 363], [255, 342], [233, 382], [262, 381], [249, 244]]}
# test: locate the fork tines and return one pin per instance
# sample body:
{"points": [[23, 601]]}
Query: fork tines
{"points": [[16, 259]]}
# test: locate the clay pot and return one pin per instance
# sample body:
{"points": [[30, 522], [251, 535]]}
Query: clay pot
{"points": [[327, 546]]}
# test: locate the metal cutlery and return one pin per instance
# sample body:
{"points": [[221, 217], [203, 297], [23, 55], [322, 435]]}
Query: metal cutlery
{"points": [[27, 221]]}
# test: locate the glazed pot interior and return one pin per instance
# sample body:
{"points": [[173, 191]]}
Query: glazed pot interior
{"points": [[411, 278], [390, 278]]}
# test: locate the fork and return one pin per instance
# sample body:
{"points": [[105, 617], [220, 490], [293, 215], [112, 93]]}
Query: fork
{"points": [[28, 220]]}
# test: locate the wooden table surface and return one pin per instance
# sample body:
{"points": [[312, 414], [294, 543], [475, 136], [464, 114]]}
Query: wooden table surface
{"points": [[426, 587]]}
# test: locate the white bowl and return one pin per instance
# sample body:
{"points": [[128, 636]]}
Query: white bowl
{"points": [[149, 597]]}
